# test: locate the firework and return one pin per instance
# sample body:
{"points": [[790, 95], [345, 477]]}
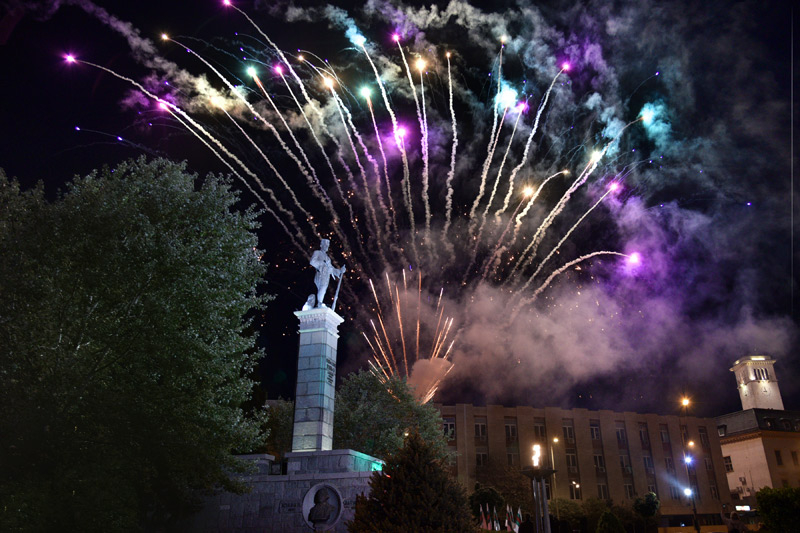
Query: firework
{"points": [[395, 197]]}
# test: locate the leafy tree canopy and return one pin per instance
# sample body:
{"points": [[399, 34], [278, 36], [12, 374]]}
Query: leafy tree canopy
{"points": [[779, 508], [372, 417], [123, 346], [486, 497], [609, 523], [415, 492]]}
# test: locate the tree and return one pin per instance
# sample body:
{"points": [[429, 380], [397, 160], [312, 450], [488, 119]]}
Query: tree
{"points": [[568, 511], [486, 497], [372, 417], [124, 347], [647, 508], [280, 421], [779, 508], [593, 509], [609, 523], [414, 492]]}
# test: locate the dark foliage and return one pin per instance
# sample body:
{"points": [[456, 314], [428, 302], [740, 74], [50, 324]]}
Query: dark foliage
{"points": [[123, 347], [415, 492]]}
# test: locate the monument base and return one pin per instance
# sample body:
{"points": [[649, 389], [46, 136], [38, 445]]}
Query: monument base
{"points": [[281, 503]]}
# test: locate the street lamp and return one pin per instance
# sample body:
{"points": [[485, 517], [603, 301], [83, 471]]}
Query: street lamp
{"points": [[690, 494], [553, 466]]}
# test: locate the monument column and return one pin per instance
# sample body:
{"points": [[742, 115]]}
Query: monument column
{"points": [[316, 379]]}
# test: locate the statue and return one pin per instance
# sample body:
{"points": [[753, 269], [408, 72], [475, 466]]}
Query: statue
{"points": [[322, 510], [325, 269]]}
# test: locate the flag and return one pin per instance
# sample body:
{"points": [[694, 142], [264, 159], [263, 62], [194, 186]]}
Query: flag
{"points": [[484, 522], [509, 518], [496, 521], [519, 519]]}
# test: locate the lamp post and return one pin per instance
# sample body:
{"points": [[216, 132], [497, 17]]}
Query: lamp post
{"points": [[553, 466], [538, 475], [690, 494], [687, 461]]}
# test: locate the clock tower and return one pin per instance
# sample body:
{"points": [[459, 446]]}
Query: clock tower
{"points": [[757, 383]]}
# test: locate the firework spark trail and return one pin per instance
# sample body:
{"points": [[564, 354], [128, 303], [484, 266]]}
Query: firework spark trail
{"points": [[493, 141], [499, 175], [425, 185], [308, 217], [186, 125], [452, 172], [400, 323], [309, 100], [490, 148], [407, 182], [399, 142], [532, 199], [380, 319], [314, 184], [542, 229], [199, 128], [391, 218], [524, 158], [564, 238], [499, 248], [372, 216], [419, 308], [473, 222], [529, 300]]}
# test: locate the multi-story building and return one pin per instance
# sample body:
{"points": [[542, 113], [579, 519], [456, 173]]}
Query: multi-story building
{"points": [[597, 454], [761, 443]]}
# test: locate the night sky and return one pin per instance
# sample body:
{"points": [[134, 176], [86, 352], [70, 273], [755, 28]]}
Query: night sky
{"points": [[704, 181]]}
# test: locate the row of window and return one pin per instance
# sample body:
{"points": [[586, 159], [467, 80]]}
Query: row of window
{"points": [[540, 432], [778, 460]]}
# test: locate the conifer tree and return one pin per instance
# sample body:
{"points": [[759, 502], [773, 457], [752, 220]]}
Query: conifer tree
{"points": [[414, 492]]}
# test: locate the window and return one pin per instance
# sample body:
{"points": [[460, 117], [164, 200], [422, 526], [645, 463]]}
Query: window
{"points": [[572, 462], [574, 491], [786, 424], [709, 464], [728, 463], [778, 458], [629, 494], [594, 429], [664, 433], [714, 491], [644, 437], [722, 430], [673, 492], [512, 458], [599, 463], [539, 430], [622, 437], [670, 464], [569, 434], [769, 423], [511, 430], [480, 429], [701, 431], [449, 428], [794, 459], [624, 461], [685, 434], [602, 491], [648, 463], [481, 459], [761, 373]]}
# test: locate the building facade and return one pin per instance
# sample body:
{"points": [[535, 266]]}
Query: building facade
{"points": [[761, 443], [597, 454]]}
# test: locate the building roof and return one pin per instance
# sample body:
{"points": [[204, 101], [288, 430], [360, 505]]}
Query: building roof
{"points": [[751, 420]]}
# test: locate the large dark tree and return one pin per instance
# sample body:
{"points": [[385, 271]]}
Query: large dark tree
{"points": [[779, 508], [123, 347], [414, 492], [372, 417]]}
